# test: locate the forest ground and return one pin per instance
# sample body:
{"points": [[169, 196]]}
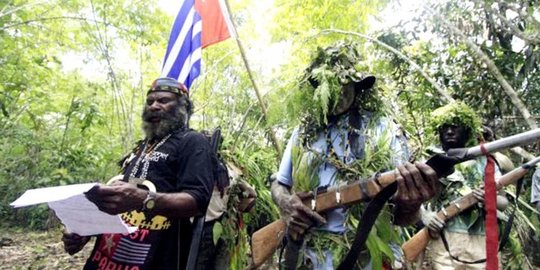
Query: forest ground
{"points": [[23, 249], [43, 250]]}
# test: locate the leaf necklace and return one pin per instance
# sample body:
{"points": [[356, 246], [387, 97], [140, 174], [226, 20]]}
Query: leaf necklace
{"points": [[354, 143], [145, 158]]}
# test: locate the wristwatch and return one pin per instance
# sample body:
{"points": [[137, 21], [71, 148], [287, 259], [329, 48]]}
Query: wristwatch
{"points": [[149, 202]]}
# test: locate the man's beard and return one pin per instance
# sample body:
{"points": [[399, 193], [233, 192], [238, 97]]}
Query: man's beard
{"points": [[169, 121]]}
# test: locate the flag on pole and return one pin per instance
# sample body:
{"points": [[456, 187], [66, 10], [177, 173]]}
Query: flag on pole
{"points": [[200, 23], [216, 22], [183, 57]]}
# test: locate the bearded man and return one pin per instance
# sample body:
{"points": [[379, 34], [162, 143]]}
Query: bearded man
{"points": [[172, 162], [345, 135]]}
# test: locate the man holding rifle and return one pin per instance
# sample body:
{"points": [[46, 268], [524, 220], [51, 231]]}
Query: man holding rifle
{"points": [[345, 135], [458, 126]]}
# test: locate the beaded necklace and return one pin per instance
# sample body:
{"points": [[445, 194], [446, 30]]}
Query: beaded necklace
{"points": [[145, 157]]}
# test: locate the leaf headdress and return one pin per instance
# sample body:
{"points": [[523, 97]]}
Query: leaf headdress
{"points": [[322, 83], [459, 114]]}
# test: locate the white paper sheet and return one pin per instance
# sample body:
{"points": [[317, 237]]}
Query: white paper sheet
{"points": [[76, 212], [50, 194]]}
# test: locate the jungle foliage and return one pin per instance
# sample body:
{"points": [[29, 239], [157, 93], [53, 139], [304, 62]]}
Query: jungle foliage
{"points": [[73, 75]]}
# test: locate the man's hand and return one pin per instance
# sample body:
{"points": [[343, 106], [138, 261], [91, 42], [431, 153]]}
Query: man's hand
{"points": [[479, 194], [416, 183], [247, 190], [433, 223], [248, 197], [301, 217], [502, 201], [73, 243], [117, 198]]}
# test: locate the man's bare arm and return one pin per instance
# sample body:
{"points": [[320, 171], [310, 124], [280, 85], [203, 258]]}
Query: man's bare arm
{"points": [[122, 197], [281, 194], [298, 216]]}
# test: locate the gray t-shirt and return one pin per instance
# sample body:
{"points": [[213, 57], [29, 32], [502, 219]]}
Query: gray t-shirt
{"points": [[535, 190]]}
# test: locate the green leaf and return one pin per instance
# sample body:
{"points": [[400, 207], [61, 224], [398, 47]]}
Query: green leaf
{"points": [[374, 252], [216, 232]]}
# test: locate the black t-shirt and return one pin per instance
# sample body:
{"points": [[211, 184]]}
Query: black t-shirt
{"points": [[182, 163]]}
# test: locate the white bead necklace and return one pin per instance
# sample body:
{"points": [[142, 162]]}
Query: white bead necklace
{"points": [[144, 158]]}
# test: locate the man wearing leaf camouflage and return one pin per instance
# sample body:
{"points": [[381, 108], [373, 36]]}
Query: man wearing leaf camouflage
{"points": [[458, 126], [344, 135]]}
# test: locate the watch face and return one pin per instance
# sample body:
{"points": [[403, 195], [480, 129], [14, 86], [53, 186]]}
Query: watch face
{"points": [[150, 204]]}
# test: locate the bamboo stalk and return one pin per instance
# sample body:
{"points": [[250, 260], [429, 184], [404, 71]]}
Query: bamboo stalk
{"points": [[264, 110]]}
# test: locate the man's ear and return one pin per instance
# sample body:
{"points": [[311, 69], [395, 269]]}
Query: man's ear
{"points": [[469, 134], [188, 104], [189, 107], [366, 83]]}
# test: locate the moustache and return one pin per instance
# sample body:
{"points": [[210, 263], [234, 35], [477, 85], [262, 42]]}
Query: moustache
{"points": [[148, 115]]}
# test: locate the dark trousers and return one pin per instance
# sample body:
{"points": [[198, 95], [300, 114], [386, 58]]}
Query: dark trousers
{"points": [[212, 256]]}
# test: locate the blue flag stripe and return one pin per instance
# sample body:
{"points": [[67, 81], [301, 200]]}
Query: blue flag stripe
{"points": [[179, 23], [182, 59], [175, 59], [187, 5], [183, 32], [193, 49], [186, 49]]}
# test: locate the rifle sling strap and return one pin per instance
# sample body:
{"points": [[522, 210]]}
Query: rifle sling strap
{"points": [[291, 254], [445, 242], [504, 237], [508, 227], [368, 218]]}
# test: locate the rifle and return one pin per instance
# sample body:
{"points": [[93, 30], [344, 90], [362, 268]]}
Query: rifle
{"points": [[266, 240], [414, 246]]}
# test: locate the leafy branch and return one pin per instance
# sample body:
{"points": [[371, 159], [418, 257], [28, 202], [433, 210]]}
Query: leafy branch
{"points": [[531, 38], [478, 53], [57, 18]]}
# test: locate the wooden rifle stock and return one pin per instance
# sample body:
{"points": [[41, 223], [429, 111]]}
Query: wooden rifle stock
{"points": [[414, 246], [265, 241]]}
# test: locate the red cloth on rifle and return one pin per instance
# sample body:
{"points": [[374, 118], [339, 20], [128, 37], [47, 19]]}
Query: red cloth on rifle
{"points": [[490, 201]]}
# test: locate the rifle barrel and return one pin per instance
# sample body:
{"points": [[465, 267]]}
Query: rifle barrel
{"points": [[508, 142], [531, 163]]}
